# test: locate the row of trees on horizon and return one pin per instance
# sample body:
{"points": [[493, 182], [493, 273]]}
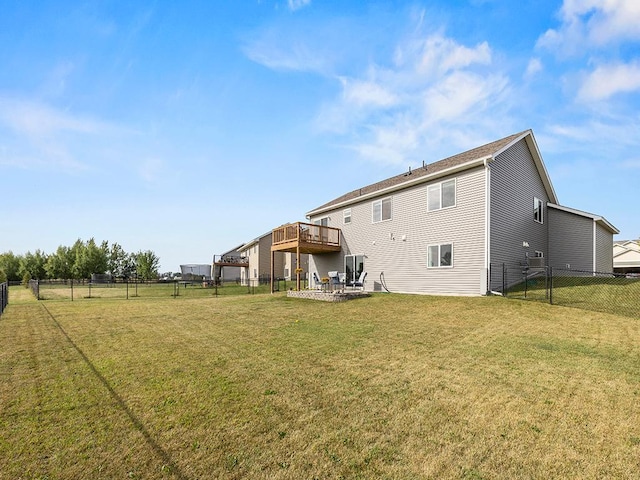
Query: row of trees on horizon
{"points": [[79, 261]]}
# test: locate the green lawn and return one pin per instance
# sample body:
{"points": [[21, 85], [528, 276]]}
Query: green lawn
{"points": [[263, 387], [615, 295]]}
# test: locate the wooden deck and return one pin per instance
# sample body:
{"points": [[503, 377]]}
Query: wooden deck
{"points": [[305, 238], [230, 261]]}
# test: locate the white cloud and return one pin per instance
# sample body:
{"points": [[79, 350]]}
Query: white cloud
{"points": [[37, 119], [533, 67], [297, 4], [608, 80], [363, 93], [432, 93], [593, 23], [437, 55], [295, 56], [37, 135]]}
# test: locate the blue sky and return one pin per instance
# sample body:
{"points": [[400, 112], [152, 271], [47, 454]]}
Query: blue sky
{"points": [[190, 127]]}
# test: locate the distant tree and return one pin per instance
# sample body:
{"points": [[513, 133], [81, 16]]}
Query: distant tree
{"points": [[147, 264], [34, 265], [89, 259], [120, 263], [10, 264], [3, 276], [77, 254], [60, 264], [26, 277]]}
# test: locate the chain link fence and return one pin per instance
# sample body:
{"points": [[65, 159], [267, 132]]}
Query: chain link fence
{"points": [[78, 290], [589, 290]]}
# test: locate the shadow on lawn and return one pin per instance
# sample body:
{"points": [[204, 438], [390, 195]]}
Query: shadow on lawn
{"points": [[166, 459]]}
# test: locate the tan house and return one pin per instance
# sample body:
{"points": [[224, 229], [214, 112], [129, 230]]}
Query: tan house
{"points": [[626, 257], [257, 269]]}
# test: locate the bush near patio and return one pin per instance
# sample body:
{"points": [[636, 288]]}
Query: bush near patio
{"points": [[263, 386]]}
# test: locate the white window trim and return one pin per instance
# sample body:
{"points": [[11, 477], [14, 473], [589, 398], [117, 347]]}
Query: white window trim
{"points": [[373, 220], [535, 201], [538, 254], [439, 184], [439, 245], [346, 214]]}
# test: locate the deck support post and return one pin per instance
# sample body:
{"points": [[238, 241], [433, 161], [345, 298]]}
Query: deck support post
{"points": [[273, 268], [298, 268]]}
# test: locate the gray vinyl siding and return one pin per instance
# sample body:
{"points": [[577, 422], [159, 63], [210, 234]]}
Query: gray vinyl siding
{"points": [[397, 249], [604, 250], [514, 183], [571, 240]]}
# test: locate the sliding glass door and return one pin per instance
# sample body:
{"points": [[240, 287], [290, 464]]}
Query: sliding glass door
{"points": [[353, 267]]}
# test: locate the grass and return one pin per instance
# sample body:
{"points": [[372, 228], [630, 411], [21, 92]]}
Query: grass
{"points": [[617, 295], [263, 386], [83, 291]]}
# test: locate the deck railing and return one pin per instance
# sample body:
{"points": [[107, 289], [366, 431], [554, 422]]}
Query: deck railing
{"points": [[306, 233], [230, 260]]}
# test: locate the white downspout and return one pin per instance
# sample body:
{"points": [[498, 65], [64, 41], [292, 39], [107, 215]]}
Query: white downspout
{"points": [[594, 247], [487, 228]]}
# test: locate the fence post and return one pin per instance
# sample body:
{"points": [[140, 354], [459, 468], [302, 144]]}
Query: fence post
{"points": [[504, 279], [550, 285]]}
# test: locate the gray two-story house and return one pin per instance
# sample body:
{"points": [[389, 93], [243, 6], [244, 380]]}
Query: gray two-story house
{"points": [[438, 229]]}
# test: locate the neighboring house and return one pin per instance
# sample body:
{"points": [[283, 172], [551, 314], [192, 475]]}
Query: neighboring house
{"points": [[228, 266], [626, 257], [439, 228], [258, 269]]}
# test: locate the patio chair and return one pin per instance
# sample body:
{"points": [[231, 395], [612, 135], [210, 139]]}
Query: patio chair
{"points": [[317, 283], [360, 281], [334, 279]]}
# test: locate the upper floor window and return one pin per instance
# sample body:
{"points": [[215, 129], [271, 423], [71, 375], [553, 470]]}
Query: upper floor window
{"points": [[538, 210], [441, 195], [346, 215], [381, 210]]}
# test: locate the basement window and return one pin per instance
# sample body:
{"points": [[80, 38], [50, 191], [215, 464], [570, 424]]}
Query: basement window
{"points": [[440, 256]]}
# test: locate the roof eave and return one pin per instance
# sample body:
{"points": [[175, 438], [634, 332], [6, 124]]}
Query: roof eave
{"points": [[597, 218], [401, 186]]}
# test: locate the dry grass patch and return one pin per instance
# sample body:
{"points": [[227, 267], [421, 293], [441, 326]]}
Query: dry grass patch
{"points": [[268, 387]]}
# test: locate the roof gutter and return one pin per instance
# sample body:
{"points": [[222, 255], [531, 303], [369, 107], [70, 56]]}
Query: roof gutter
{"points": [[426, 178]]}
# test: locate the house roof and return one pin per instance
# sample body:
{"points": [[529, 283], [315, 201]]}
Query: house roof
{"points": [[597, 218], [233, 250], [628, 258], [627, 244], [462, 161], [244, 246]]}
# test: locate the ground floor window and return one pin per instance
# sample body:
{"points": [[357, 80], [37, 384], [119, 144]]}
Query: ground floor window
{"points": [[353, 267], [440, 255]]}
